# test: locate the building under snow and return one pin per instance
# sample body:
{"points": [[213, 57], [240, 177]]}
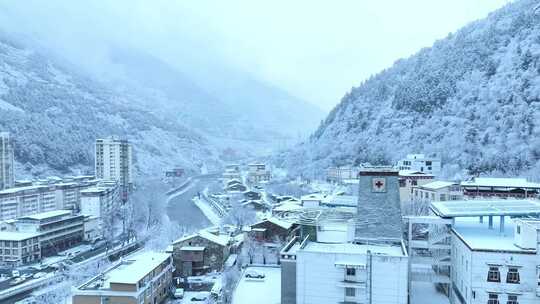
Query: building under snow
{"points": [[421, 163], [343, 257], [485, 187], [482, 251]]}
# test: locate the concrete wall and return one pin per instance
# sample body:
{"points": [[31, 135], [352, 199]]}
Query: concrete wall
{"points": [[288, 281], [470, 271], [319, 279]]}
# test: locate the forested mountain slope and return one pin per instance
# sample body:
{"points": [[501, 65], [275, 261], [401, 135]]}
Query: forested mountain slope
{"points": [[55, 115], [473, 98]]}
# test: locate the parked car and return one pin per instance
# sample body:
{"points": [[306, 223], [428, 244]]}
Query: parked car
{"points": [[178, 293], [17, 281], [38, 275], [253, 274], [15, 274], [200, 297]]}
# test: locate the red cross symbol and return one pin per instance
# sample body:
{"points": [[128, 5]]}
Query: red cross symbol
{"points": [[379, 184]]}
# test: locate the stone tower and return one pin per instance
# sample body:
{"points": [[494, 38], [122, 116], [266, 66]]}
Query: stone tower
{"points": [[379, 210]]}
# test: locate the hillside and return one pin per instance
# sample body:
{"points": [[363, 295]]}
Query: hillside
{"points": [[55, 113], [216, 99], [473, 98]]}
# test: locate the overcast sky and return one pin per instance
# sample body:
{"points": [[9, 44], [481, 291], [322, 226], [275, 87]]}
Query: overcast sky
{"points": [[316, 50]]}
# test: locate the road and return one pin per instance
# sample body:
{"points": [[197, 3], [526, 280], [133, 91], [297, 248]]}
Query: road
{"points": [[181, 208]]}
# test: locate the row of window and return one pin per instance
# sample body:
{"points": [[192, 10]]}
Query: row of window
{"points": [[493, 298], [512, 276]]}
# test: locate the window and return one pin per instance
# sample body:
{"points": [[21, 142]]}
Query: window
{"points": [[493, 274], [518, 229], [350, 292], [512, 276], [512, 299], [351, 271], [493, 298]]}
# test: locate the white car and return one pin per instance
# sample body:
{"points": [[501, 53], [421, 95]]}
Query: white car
{"points": [[39, 275], [179, 293], [253, 274]]}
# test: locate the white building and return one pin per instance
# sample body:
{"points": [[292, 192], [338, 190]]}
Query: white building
{"points": [[113, 161], [419, 162], [29, 200], [100, 201], [258, 173], [144, 277], [351, 273], [6, 161], [438, 191], [409, 179], [490, 265], [487, 249]]}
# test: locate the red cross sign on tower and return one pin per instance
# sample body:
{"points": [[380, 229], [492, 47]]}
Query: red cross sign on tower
{"points": [[378, 184]]}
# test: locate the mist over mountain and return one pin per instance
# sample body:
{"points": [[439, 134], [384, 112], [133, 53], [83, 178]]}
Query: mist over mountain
{"points": [[215, 98], [472, 98], [55, 113]]}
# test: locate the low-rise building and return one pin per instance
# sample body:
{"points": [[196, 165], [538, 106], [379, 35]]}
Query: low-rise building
{"points": [[493, 266], [18, 248], [342, 174], [200, 253], [272, 229], [500, 187], [100, 201], [409, 179], [438, 191], [143, 278], [316, 272], [421, 163], [58, 230], [258, 173]]}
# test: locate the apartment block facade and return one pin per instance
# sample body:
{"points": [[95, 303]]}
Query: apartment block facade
{"points": [[113, 161], [143, 278], [6, 161]]}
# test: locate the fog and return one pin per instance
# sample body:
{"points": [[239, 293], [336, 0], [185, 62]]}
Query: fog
{"points": [[316, 50]]}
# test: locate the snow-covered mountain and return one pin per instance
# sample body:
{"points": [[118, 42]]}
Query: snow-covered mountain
{"points": [[215, 98], [55, 114], [473, 98]]}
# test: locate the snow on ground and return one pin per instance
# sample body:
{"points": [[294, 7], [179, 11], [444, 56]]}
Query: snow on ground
{"points": [[425, 293], [266, 291], [207, 210]]}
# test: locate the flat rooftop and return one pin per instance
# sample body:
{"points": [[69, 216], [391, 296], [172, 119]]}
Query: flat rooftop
{"points": [[130, 271], [260, 291], [500, 183], [46, 215], [436, 185], [351, 248], [16, 236], [477, 236], [475, 208]]}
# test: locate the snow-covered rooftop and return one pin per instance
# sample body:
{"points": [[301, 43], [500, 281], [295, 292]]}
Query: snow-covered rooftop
{"points": [[221, 239], [46, 215], [478, 236], [499, 182], [274, 220], [475, 208], [260, 291], [136, 267], [16, 236], [413, 173], [436, 185], [350, 248]]}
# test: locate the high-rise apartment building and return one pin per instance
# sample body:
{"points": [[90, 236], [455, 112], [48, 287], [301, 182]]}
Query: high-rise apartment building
{"points": [[6, 161], [113, 161]]}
